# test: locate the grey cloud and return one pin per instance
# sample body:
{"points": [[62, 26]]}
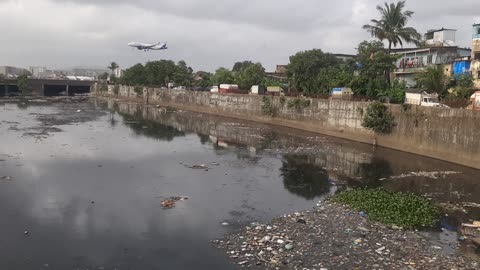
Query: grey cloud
{"points": [[206, 34]]}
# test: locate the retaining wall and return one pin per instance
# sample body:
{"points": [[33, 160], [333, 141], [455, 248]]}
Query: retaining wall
{"points": [[446, 134]]}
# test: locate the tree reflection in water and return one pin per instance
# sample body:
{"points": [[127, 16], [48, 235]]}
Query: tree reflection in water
{"points": [[150, 129], [372, 172], [304, 178]]}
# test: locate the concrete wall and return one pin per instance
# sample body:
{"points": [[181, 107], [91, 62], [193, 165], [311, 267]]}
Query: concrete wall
{"points": [[475, 67], [447, 134]]}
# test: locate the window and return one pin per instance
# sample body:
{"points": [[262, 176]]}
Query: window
{"points": [[429, 59], [429, 35], [478, 31], [477, 56], [425, 100]]}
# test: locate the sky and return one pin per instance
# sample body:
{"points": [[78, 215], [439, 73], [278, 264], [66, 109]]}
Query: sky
{"points": [[207, 34]]}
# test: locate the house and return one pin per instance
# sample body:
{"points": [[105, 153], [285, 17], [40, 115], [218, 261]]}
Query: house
{"points": [[440, 38], [475, 66], [345, 57], [440, 50]]}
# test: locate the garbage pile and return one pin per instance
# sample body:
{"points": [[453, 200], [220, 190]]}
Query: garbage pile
{"points": [[334, 237]]}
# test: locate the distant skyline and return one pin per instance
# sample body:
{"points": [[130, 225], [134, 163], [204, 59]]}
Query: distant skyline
{"points": [[207, 34]]}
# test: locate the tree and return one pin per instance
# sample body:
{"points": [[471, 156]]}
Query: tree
{"points": [[113, 66], [250, 74], [433, 80], [203, 79], [223, 75], [183, 74], [392, 25], [305, 66], [241, 65], [22, 83], [336, 76], [103, 76], [135, 75], [160, 73], [373, 64]]}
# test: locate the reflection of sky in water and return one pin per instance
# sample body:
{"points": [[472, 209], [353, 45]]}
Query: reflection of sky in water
{"points": [[92, 193]]}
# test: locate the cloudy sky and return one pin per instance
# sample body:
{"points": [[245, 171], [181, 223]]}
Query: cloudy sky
{"points": [[205, 33]]}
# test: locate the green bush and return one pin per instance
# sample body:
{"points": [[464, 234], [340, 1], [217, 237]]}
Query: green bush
{"points": [[378, 118], [299, 102], [394, 208], [138, 90], [103, 87], [406, 107], [116, 89], [268, 107]]}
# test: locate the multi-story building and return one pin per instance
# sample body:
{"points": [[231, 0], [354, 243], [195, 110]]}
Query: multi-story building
{"points": [[440, 50], [38, 71], [12, 71], [118, 72], [475, 66]]}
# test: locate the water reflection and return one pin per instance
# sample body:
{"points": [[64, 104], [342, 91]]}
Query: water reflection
{"points": [[303, 178], [150, 129], [372, 173], [313, 165], [341, 161]]}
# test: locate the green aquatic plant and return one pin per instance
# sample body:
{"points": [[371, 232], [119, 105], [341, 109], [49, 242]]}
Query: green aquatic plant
{"points": [[393, 208]]}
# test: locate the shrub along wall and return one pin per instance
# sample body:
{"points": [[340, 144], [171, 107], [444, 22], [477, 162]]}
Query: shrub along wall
{"points": [[447, 134]]}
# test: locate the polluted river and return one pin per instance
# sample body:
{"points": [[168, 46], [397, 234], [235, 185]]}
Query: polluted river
{"points": [[102, 184]]}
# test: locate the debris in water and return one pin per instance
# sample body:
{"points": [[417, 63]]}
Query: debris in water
{"points": [[8, 178], [471, 229], [170, 202], [225, 224], [200, 166], [79, 111]]}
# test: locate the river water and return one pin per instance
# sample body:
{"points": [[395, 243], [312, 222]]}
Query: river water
{"points": [[82, 183]]}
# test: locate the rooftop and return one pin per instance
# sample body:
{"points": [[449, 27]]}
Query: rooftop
{"points": [[439, 30]]}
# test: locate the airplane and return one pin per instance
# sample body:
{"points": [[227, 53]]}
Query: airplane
{"points": [[147, 47]]}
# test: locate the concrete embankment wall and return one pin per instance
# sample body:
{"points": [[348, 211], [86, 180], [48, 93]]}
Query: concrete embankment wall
{"points": [[446, 134]]}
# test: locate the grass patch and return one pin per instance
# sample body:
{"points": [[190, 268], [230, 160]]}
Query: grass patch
{"points": [[393, 208]]}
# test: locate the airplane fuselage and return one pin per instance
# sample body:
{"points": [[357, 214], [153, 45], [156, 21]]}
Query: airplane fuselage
{"points": [[147, 47]]}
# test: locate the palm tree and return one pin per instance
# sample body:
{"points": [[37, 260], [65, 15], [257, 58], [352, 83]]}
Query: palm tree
{"points": [[433, 79], [113, 66], [392, 25]]}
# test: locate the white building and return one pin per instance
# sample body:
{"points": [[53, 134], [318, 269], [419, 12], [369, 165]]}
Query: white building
{"points": [[118, 72], [38, 71], [440, 38]]}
